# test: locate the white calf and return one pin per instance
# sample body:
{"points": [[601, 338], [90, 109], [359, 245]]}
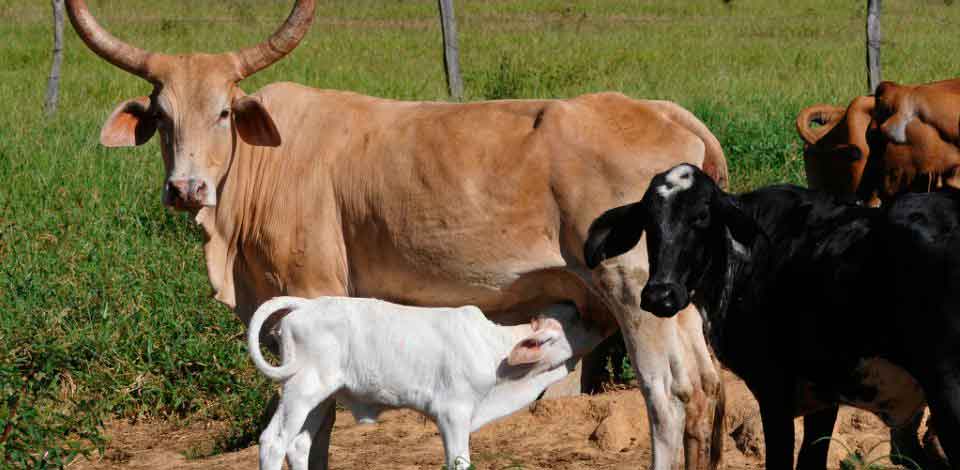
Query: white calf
{"points": [[451, 364]]}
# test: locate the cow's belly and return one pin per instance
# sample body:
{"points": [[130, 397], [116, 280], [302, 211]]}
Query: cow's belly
{"points": [[887, 390], [444, 279]]}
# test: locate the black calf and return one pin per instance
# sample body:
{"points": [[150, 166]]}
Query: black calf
{"points": [[811, 301]]}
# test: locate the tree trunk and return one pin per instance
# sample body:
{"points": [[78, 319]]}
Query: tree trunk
{"points": [[451, 51], [53, 83], [873, 44]]}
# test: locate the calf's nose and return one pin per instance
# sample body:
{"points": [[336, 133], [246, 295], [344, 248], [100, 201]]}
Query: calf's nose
{"points": [[663, 300]]}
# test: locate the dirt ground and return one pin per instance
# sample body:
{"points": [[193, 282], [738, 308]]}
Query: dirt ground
{"points": [[605, 431]]}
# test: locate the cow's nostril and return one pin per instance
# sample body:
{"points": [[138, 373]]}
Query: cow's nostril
{"points": [[178, 189]]}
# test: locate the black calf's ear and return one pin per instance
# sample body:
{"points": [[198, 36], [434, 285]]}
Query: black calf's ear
{"points": [[742, 227], [614, 233]]}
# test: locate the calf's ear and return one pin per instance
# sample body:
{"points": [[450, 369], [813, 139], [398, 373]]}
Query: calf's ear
{"points": [[742, 227], [129, 124], [532, 349], [254, 124], [614, 233]]}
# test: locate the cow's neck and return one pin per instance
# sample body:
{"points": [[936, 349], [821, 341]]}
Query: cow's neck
{"points": [[218, 257], [721, 284], [235, 229]]}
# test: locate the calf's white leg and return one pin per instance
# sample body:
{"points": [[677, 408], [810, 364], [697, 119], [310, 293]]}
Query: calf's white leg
{"points": [[454, 427], [302, 393], [302, 447], [272, 449]]}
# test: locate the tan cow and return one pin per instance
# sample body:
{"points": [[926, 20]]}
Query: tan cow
{"points": [[313, 192], [904, 138]]}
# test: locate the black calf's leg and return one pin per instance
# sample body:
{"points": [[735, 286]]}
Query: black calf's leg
{"points": [[943, 397], [777, 416], [819, 425], [905, 448]]}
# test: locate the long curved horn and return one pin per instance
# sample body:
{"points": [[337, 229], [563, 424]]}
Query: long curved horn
{"points": [[824, 114], [99, 40], [282, 42]]}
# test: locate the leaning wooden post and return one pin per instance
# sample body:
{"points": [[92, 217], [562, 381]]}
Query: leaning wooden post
{"points": [[451, 51], [53, 83], [873, 44]]}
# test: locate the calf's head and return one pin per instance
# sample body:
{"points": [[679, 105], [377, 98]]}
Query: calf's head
{"points": [[558, 335], [689, 223], [195, 106]]}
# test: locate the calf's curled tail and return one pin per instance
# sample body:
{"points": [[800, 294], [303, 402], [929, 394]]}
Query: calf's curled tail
{"points": [[269, 308]]}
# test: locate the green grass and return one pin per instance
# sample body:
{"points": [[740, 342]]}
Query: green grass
{"points": [[104, 306]]}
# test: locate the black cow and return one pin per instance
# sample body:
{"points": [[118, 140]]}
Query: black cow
{"points": [[780, 276]]}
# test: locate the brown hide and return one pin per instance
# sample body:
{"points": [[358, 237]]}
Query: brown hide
{"points": [[431, 203], [908, 143], [309, 192], [835, 154]]}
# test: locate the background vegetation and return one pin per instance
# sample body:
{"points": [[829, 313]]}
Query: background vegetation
{"points": [[104, 306]]}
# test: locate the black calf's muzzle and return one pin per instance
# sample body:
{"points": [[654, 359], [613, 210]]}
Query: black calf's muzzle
{"points": [[664, 300]]}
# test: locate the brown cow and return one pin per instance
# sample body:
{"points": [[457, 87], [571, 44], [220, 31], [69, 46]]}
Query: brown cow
{"points": [[313, 192], [902, 139]]}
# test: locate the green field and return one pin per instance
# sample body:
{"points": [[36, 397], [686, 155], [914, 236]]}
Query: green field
{"points": [[104, 305]]}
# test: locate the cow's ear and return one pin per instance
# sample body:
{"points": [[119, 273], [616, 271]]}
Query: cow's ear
{"points": [[615, 232], [254, 123], [742, 227], [533, 348], [129, 124]]}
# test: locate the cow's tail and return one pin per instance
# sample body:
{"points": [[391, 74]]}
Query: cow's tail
{"points": [[714, 162], [719, 413], [289, 365], [826, 115]]}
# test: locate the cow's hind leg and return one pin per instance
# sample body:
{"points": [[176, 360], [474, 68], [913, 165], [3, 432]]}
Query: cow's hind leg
{"points": [[300, 450], [302, 394], [815, 449], [272, 449], [942, 387]]}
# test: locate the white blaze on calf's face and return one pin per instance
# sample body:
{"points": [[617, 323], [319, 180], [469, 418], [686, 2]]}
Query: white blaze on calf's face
{"points": [[679, 179]]}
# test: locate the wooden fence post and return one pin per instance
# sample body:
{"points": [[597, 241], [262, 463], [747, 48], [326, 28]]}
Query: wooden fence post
{"points": [[873, 44], [451, 51], [53, 83]]}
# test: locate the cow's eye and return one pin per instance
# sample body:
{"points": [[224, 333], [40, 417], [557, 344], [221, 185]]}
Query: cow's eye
{"points": [[224, 114]]}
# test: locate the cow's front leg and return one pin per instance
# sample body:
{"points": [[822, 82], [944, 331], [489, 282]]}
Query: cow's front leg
{"points": [[703, 426], [776, 412], [814, 450], [669, 371]]}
